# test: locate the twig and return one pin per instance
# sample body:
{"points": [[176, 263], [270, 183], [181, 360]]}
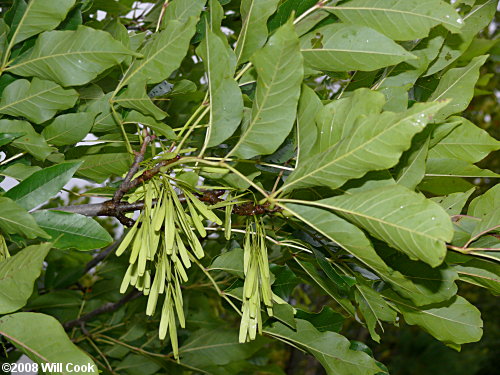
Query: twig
{"points": [[106, 308], [100, 257], [117, 209], [127, 182]]}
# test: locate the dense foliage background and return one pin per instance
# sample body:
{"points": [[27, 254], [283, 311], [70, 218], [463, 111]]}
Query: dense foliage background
{"points": [[292, 187]]}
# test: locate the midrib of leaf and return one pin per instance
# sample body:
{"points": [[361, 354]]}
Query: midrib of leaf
{"points": [[111, 161], [127, 78], [348, 50], [26, 347], [69, 232], [381, 272], [480, 276], [19, 25], [15, 222], [245, 31], [407, 170], [455, 82], [435, 315], [477, 9], [370, 306], [326, 165], [28, 98], [59, 135], [259, 107], [313, 349], [354, 213], [389, 10], [315, 277], [59, 55]]}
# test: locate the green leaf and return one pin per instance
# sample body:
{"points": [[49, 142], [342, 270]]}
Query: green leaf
{"points": [[411, 169], [69, 129], [38, 101], [325, 320], [341, 48], [204, 348], [19, 171], [458, 86], [326, 285], [398, 79], [330, 349], [71, 58], [285, 314], [226, 101], [337, 119], [14, 219], [40, 15], [105, 122], [481, 273], [455, 202], [376, 143], [6, 138], [49, 344], [374, 309], [387, 16], [135, 97], [17, 275], [488, 223], [42, 185], [285, 280], [455, 168], [481, 206], [163, 53], [280, 73], [231, 262], [158, 127], [466, 142], [181, 10], [405, 220], [31, 141], [285, 10], [253, 35], [342, 281], [352, 239], [455, 322], [69, 230], [100, 167], [456, 44], [309, 106]]}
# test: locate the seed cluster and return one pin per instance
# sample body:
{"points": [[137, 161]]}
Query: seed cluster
{"points": [[257, 286], [163, 242]]}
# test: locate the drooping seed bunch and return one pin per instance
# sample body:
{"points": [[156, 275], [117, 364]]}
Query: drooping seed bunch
{"points": [[257, 286], [162, 243]]}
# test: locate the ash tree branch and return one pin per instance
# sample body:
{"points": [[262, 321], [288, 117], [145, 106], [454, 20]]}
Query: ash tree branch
{"points": [[116, 208]]}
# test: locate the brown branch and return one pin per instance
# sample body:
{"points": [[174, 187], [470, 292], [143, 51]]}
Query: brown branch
{"points": [[101, 256], [127, 181], [106, 308], [118, 209]]}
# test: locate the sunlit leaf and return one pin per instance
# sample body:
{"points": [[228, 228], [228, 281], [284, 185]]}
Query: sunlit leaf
{"points": [[279, 66], [386, 16], [69, 230], [50, 345], [17, 275], [38, 100], [340, 47], [70, 58], [42, 185]]}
